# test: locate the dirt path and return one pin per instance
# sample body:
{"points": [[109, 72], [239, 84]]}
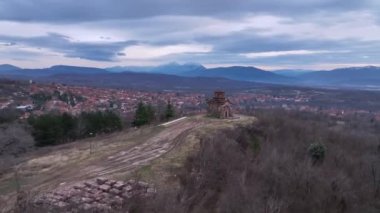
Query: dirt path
{"points": [[120, 154], [133, 157]]}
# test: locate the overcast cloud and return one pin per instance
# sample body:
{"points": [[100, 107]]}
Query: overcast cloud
{"points": [[274, 34]]}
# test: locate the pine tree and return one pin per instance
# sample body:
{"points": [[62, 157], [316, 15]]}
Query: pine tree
{"points": [[141, 115], [69, 125], [169, 113], [150, 113], [112, 122]]}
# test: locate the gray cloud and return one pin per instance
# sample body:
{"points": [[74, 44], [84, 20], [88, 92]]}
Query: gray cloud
{"points": [[343, 31], [90, 10], [62, 44], [9, 44], [247, 42]]}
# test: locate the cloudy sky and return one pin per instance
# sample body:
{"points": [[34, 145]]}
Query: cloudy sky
{"points": [[271, 34]]}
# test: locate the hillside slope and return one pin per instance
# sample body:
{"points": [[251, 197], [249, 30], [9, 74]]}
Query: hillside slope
{"points": [[120, 156]]}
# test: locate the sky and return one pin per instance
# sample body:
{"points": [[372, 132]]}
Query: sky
{"points": [[270, 34]]}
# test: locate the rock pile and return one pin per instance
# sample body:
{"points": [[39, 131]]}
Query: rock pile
{"points": [[96, 195]]}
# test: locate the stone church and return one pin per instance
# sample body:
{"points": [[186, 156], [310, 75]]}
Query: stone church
{"points": [[219, 106]]}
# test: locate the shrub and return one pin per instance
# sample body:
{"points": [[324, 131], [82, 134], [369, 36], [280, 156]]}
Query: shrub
{"points": [[8, 115], [255, 144], [317, 152]]}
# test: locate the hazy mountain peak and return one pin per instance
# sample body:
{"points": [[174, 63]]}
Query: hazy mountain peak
{"points": [[176, 64], [70, 67], [8, 67], [171, 64]]}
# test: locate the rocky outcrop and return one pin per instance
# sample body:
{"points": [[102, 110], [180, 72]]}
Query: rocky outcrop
{"points": [[99, 195]]}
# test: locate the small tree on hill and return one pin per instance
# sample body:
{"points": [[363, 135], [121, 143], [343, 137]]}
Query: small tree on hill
{"points": [[150, 113], [112, 122], [169, 113], [141, 115], [68, 125], [47, 129]]}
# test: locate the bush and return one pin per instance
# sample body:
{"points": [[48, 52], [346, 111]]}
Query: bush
{"points": [[8, 115], [40, 99], [317, 152]]}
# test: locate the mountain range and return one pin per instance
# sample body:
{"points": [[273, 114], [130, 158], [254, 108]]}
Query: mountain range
{"points": [[364, 76], [292, 72], [171, 68], [10, 70], [345, 77]]}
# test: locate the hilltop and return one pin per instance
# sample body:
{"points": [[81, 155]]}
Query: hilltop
{"points": [[279, 160]]}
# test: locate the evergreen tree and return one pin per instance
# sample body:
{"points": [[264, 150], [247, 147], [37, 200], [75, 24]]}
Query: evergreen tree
{"points": [[47, 129], [169, 112], [112, 122], [51, 129], [150, 113], [141, 115], [69, 125]]}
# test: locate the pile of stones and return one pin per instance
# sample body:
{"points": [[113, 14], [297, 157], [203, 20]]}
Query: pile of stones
{"points": [[96, 195]]}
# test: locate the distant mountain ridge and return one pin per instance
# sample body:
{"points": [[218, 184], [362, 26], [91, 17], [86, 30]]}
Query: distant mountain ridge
{"points": [[292, 72], [150, 81], [352, 76], [239, 73], [54, 70], [369, 75], [8, 67], [171, 68]]}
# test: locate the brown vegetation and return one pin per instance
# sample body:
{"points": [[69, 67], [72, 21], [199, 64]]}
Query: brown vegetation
{"points": [[284, 162], [267, 167]]}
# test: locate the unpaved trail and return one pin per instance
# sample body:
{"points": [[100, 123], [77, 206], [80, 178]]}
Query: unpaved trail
{"points": [[129, 159], [121, 154]]}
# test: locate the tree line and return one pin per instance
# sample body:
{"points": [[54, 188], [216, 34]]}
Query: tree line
{"points": [[53, 129], [146, 114]]}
